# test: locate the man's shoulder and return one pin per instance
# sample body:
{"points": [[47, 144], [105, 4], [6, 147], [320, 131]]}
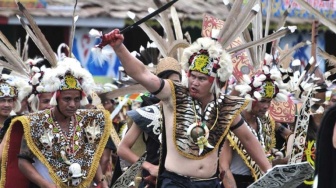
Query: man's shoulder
{"points": [[232, 97], [90, 111], [93, 113]]}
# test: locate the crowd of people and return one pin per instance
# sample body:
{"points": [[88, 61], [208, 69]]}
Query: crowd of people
{"points": [[198, 124]]}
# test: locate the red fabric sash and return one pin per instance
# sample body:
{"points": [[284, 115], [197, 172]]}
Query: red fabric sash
{"points": [[13, 176]]}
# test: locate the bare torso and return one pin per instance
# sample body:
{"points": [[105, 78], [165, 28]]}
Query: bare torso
{"points": [[175, 162]]}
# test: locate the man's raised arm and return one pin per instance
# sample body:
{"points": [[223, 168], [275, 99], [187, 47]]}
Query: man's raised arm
{"points": [[134, 67]]}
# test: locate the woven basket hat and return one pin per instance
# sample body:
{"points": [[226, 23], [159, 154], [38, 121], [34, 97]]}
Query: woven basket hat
{"points": [[168, 63]]}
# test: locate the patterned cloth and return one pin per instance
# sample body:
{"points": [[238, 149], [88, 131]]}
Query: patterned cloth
{"points": [[266, 137], [86, 149], [228, 108], [149, 120]]}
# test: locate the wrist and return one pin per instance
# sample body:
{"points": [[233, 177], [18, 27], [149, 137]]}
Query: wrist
{"points": [[102, 182], [102, 179], [146, 165]]}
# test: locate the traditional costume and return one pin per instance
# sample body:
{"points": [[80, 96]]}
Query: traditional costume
{"points": [[71, 159], [267, 84], [13, 84], [198, 132]]}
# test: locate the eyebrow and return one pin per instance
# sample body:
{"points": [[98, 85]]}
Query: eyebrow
{"points": [[199, 76]]}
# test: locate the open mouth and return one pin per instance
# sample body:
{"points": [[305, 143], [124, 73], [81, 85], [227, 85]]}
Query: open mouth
{"points": [[193, 90]]}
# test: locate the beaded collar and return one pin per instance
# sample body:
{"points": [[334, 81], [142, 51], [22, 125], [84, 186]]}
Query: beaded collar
{"points": [[68, 143], [198, 132], [259, 133]]}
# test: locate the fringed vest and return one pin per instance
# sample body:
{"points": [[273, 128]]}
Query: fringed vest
{"points": [[225, 109]]}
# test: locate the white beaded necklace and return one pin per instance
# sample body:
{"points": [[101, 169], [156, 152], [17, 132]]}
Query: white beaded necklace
{"points": [[259, 134], [66, 140]]}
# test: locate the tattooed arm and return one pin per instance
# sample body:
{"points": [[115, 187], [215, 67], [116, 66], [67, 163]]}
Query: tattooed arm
{"points": [[225, 158], [282, 130], [26, 167]]}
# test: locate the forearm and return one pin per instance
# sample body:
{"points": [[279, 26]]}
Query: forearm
{"points": [[257, 153], [228, 179], [282, 130], [105, 159], [100, 178], [127, 154], [30, 172]]}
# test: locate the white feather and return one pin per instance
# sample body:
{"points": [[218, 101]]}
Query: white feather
{"points": [[257, 95], [95, 33], [296, 62]]}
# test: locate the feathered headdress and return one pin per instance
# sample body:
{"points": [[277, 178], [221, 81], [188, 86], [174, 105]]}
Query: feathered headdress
{"points": [[267, 84], [9, 88], [66, 76], [38, 66], [208, 57], [14, 82]]}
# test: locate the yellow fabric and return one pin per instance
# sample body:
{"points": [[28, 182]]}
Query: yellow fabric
{"points": [[255, 170], [97, 155]]}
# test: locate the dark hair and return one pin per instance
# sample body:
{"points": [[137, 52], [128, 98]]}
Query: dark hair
{"points": [[324, 149], [42, 62], [149, 100], [165, 74], [312, 129], [103, 97], [89, 98]]}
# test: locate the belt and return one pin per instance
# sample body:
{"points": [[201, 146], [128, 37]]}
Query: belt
{"points": [[194, 179]]}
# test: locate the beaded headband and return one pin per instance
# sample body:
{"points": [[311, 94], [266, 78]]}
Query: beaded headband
{"points": [[68, 75]]}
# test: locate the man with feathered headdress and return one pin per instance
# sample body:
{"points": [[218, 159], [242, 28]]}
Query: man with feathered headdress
{"points": [[37, 100], [197, 117], [68, 142], [147, 121], [240, 169], [8, 96]]}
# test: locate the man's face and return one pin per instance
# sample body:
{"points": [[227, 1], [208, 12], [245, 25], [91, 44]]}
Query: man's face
{"points": [[332, 101], [6, 106], [199, 85], [109, 105], [259, 108], [44, 100], [69, 101]]}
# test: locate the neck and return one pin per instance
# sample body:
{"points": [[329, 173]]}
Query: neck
{"points": [[59, 116], [250, 118], [206, 100]]}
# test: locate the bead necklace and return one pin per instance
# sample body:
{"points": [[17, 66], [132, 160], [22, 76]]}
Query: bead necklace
{"points": [[258, 134], [198, 132], [201, 121], [64, 136], [66, 140]]}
